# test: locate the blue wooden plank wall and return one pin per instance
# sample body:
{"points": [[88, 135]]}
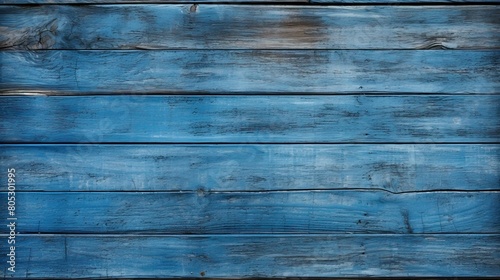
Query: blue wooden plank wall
{"points": [[231, 139]]}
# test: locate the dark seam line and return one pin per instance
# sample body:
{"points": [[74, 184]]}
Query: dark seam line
{"points": [[194, 94], [202, 191], [261, 3], [248, 143]]}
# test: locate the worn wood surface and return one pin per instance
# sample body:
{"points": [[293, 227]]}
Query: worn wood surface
{"points": [[83, 2], [247, 71], [250, 119], [201, 212], [100, 27], [394, 2], [286, 139], [242, 256], [262, 2], [243, 167]]}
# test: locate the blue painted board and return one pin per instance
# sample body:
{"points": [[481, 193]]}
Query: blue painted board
{"points": [[203, 212], [243, 256], [394, 2], [244, 167], [250, 119], [154, 26], [83, 2], [403, 181], [244, 1], [249, 72]]}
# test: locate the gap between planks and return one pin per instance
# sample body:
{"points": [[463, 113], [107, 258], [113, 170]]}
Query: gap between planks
{"points": [[203, 191], [272, 235], [302, 3]]}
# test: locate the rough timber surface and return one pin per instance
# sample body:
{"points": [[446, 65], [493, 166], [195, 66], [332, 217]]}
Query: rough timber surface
{"points": [[153, 2], [285, 139], [250, 71], [243, 167], [243, 256], [250, 119], [262, 2], [291, 212], [146, 27]]}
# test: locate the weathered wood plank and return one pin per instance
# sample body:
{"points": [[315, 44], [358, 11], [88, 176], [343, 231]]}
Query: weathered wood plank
{"points": [[202, 212], [250, 119], [18, 2], [387, 1], [231, 256], [249, 27], [293, 71], [394, 168]]}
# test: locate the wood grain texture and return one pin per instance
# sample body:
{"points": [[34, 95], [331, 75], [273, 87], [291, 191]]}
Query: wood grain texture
{"points": [[264, 71], [202, 212], [265, 158], [250, 119], [422, 2], [240, 256], [267, 2], [394, 168], [249, 27], [77, 2]]}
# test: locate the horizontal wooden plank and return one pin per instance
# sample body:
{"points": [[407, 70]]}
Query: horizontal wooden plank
{"points": [[386, 1], [249, 27], [250, 119], [70, 256], [394, 168], [19, 2], [202, 212], [265, 71]]}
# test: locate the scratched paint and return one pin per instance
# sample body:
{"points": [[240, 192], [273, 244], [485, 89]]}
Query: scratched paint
{"points": [[243, 167], [249, 27], [250, 71], [243, 256], [279, 212], [240, 141], [238, 1], [250, 119]]}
